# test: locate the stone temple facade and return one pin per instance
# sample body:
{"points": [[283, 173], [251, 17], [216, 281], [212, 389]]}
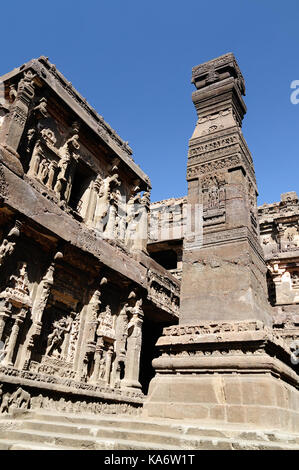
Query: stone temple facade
{"points": [[184, 309]]}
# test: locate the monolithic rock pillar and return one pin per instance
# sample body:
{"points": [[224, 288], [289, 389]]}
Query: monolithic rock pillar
{"points": [[224, 273], [223, 362], [134, 341]]}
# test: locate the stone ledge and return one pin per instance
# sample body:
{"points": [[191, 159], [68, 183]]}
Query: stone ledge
{"points": [[68, 386]]}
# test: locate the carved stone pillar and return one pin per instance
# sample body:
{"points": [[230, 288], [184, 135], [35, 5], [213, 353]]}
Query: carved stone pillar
{"points": [[14, 123], [97, 359], [13, 338], [44, 289], [35, 331], [223, 361], [39, 305], [134, 341], [87, 336], [92, 202], [108, 364]]}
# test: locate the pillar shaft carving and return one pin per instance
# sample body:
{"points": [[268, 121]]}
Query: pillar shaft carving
{"points": [[134, 342], [14, 123]]}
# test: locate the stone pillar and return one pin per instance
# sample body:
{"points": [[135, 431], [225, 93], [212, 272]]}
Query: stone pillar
{"points": [[87, 333], [97, 360], [108, 364], [14, 124], [13, 338], [89, 217], [134, 341], [223, 363], [226, 260]]}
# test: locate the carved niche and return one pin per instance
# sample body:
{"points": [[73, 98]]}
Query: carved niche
{"points": [[52, 166], [15, 303], [213, 193]]}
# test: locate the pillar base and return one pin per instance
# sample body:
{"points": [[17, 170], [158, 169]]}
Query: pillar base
{"points": [[230, 373], [126, 383]]}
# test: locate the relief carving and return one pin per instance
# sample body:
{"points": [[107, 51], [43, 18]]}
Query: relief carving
{"points": [[57, 337]]}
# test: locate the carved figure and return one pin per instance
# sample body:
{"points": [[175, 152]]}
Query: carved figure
{"points": [[55, 339], [5, 403], [104, 195], [6, 248], [41, 108], [20, 399]]}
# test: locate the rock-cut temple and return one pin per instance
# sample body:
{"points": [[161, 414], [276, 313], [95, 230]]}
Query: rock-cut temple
{"points": [[131, 324]]}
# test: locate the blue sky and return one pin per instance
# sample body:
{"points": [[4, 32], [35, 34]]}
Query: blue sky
{"points": [[132, 61]]}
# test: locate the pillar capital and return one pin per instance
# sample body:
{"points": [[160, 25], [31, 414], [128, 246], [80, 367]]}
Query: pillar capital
{"points": [[219, 84]]}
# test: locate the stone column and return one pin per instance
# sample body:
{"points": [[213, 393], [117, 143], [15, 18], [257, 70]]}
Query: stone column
{"points": [[13, 338], [97, 359], [88, 332], [225, 259], [108, 364], [91, 207], [14, 123], [218, 364], [134, 341]]}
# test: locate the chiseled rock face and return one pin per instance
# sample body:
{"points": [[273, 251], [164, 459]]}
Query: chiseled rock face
{"points": [[76, 282]]}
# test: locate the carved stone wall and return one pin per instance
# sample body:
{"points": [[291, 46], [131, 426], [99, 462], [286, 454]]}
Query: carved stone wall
{"points": [[75, 278]]}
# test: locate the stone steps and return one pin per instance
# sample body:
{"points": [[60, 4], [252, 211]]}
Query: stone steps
{"points": [[180, 427], [5, 444], [27, 438], [45, 430]]}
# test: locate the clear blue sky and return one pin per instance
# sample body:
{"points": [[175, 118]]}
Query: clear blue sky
{"points": [[132, 60]]}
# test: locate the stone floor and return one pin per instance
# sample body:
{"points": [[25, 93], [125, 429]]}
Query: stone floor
{"points": [[43, 430]]}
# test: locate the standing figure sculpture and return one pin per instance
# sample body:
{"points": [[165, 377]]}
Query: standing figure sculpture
{"points": [[56, 338]]}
